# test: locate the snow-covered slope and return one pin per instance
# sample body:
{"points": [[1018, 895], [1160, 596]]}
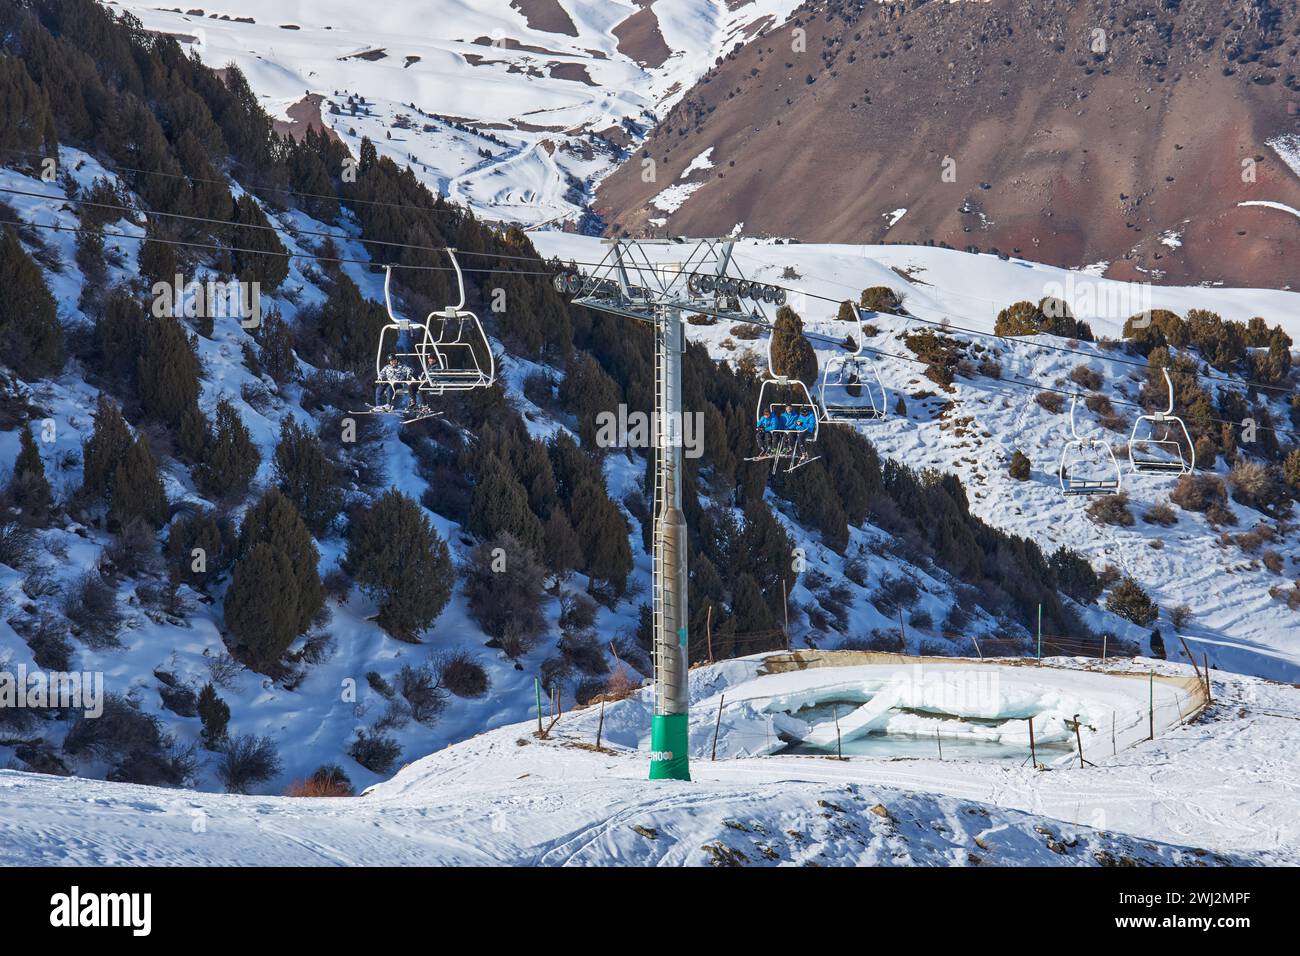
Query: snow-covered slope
{"points": [[1235, 619], [1221, 796], [515, 109]]}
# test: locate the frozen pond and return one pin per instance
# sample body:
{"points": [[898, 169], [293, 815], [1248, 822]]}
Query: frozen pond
{"points": [[974, 711], [929, 735]]}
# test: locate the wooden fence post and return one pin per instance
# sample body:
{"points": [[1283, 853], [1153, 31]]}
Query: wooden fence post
{"points": [[718, 724], [1151, 705], [600, 727], [708, 631], [1209, 696], [1191, 657], [1033, 753], [839, 748]]}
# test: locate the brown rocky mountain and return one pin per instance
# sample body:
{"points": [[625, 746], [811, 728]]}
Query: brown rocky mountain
{"points": [[1075, 131]]}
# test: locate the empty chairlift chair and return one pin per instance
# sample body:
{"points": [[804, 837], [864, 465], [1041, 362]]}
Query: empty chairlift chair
{"points": [[459, 357], [1088, 465], [1160, 443], [851, 390]]}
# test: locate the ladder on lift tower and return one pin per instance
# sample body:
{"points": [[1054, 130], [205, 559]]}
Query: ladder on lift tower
{"points": [[665, 664]]}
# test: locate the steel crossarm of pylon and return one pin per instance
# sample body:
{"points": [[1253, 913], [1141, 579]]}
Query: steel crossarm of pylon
{"points": [[637, 276]]}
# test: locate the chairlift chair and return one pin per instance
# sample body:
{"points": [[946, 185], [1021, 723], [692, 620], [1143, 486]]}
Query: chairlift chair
{"points": [[1144, 446], [786, 439], [459, 358], [846, 395], [401, 339], [1084, 469]]}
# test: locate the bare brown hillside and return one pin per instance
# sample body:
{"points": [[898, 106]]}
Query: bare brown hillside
{"points": [[1078, 131]]}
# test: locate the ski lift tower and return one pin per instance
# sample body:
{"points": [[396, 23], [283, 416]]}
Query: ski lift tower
{"points": [[644, 279]]}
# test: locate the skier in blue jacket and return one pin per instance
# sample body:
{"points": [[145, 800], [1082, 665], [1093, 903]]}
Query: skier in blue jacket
{"points": [[763, 431]]}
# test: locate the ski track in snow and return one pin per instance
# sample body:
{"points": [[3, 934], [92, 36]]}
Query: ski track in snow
{"points": [[1225, 781]]}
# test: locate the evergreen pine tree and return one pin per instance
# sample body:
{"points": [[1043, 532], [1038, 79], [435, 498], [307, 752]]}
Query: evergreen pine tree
{"points": [[29, 491], [215, 715], [157, 259], [503, 586], [603, 531], [31, 339], [792, 355], [193, 433], [257, 252], [205, 533], [561, 549], [275, 352], [397, 558], [26, 123], [137, 491], [588, 391], [499, 503], [261, 605], [275, 521], [749, 609], [231, 458], [168, 370], [306, 476], [106, 447]]}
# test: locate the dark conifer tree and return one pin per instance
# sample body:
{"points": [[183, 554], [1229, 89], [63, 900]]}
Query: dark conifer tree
{"points": [[214, 713], [792, 355], [257, 253], [603, 533], [137, 491], [561, 549], [399, 560], [31, 339], [168, 370], [499, 503], [230, 459], [261, 605], [109, 441], [306, 476], [29, 491], [275, 521], [211, 537]]}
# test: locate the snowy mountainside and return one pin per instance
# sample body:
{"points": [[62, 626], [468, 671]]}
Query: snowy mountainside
{"points": [[313, 719], [516, 110], [1235, 617], [508, 797]]}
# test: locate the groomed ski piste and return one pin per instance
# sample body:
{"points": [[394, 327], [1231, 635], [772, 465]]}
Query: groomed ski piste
{"points": [[1215, 786]]}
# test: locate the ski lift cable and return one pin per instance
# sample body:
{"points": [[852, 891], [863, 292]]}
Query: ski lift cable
{"points": [[20, 223], [247, 225], [635, 267], [940, 323], [430, 268]]}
